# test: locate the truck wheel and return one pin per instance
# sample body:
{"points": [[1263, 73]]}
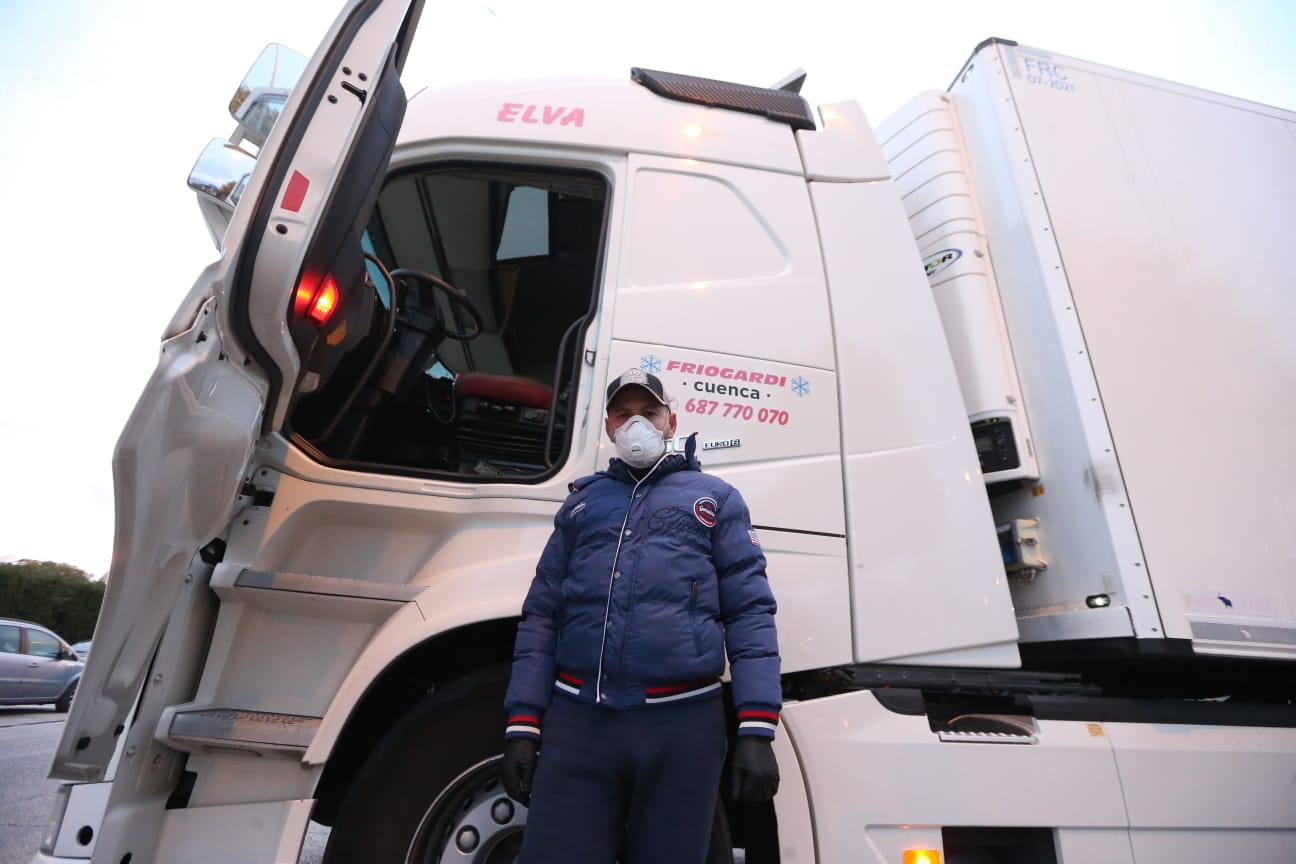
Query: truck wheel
{"points": [[430, 792]]}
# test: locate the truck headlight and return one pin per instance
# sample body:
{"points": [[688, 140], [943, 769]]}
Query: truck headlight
{"points": [[57, 811]]}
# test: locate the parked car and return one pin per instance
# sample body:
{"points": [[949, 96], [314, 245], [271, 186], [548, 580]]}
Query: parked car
{"points": [[82, 649], [36, 666]]}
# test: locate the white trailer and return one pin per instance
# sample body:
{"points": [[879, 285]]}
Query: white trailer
{"points": [[1027, 516], [1129, 222]]}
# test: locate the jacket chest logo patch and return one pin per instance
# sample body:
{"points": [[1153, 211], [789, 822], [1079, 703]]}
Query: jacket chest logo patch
{"points": [[705, 511]]}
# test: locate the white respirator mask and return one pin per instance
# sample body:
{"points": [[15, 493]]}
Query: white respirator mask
{"points": [[639, 443]]}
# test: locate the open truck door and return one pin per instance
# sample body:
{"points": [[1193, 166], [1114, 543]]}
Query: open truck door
{"points": [[257, 327]]}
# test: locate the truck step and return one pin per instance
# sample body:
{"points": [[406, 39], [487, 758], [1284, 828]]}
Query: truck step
{"points": [[303, 583], [263, 733], [332, 597], [990, 729], [988, 737]]}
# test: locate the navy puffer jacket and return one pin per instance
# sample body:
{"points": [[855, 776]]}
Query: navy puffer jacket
{"points": [[642, 588]]}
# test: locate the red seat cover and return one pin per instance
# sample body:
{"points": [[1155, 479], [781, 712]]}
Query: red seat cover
{"points": [[505, 388]]}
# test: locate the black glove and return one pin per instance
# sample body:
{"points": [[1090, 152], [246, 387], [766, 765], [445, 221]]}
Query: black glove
{"points": [[753, 774], [519, 768]]}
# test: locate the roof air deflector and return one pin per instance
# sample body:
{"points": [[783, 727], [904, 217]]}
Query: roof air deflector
{"points": [[781, 106], [791, 82]]}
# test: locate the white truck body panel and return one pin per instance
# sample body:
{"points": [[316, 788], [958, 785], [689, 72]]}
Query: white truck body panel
{"points": [[614, 115], [844, 148], [876, 778], [195, 426], [241, 832], [1142, 322], [905, 448], [679, 280], [85, 807]]}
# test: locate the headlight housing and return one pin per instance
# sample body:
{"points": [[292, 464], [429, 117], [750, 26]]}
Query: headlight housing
{"points": [[57, 811]]}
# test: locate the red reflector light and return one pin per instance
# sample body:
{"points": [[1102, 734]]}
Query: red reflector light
{"points": [[324, 302], [295, 192]]}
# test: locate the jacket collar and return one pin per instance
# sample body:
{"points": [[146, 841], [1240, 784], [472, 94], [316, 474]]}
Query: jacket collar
{"points": [[620, 472]]}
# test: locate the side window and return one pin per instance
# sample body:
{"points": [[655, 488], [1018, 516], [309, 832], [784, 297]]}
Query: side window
{"points": [[526, 225], [41, 644], [483, 279], [10, 639]]}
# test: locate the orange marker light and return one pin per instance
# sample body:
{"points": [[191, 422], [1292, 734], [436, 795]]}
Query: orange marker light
{"points": [[321, 308], [922, 856]]}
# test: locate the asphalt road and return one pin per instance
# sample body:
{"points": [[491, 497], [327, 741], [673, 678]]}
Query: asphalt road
{"points": [[28, 737], [27, 740]]}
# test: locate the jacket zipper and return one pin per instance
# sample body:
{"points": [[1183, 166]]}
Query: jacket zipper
{"points": [[693, 617], [616, 556]]}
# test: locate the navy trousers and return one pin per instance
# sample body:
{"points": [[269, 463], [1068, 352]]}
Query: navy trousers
{"points": [[642, 783]]}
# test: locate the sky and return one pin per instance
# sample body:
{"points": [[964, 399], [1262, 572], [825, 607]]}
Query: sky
{"points": [[108, 103]]}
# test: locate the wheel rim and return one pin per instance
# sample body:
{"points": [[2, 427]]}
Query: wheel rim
{"points": [[472, 821]]}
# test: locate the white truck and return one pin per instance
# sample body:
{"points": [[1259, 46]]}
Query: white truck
{"points": [[1029, 518]]}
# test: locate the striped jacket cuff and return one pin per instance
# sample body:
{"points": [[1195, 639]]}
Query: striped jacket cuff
{"points": [[523, 722], [757, 720]]}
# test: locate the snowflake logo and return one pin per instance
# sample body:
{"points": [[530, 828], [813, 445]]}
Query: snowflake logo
{"points": [[650, 364], [800, 386]]}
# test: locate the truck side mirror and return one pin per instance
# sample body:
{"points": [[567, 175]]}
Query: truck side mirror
{"points": [[219, 177], [222, 171], [257, 102]]}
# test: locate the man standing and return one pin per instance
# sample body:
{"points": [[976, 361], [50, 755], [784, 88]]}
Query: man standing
{"points": [[652, 574]]}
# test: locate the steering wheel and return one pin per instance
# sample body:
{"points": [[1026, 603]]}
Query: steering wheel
{"points": [[457, 298]]}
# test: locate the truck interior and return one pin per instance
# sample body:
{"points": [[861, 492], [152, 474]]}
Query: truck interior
{"points": [[479, 283]]}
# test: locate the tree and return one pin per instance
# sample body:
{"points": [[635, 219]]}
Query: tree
{"points": [[239, 98], [58, 596]]}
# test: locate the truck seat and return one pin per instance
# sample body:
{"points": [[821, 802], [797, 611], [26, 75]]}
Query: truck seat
{"points": [[511, 389]]}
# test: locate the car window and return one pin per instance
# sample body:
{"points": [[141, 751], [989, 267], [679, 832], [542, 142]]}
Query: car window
{"points": [[10, 642], [42, 644]]}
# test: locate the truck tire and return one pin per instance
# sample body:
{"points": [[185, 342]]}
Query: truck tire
{"points": [[430, 791]]}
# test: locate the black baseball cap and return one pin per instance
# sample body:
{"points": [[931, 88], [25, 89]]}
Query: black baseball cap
{"points": [[637, 378]]}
